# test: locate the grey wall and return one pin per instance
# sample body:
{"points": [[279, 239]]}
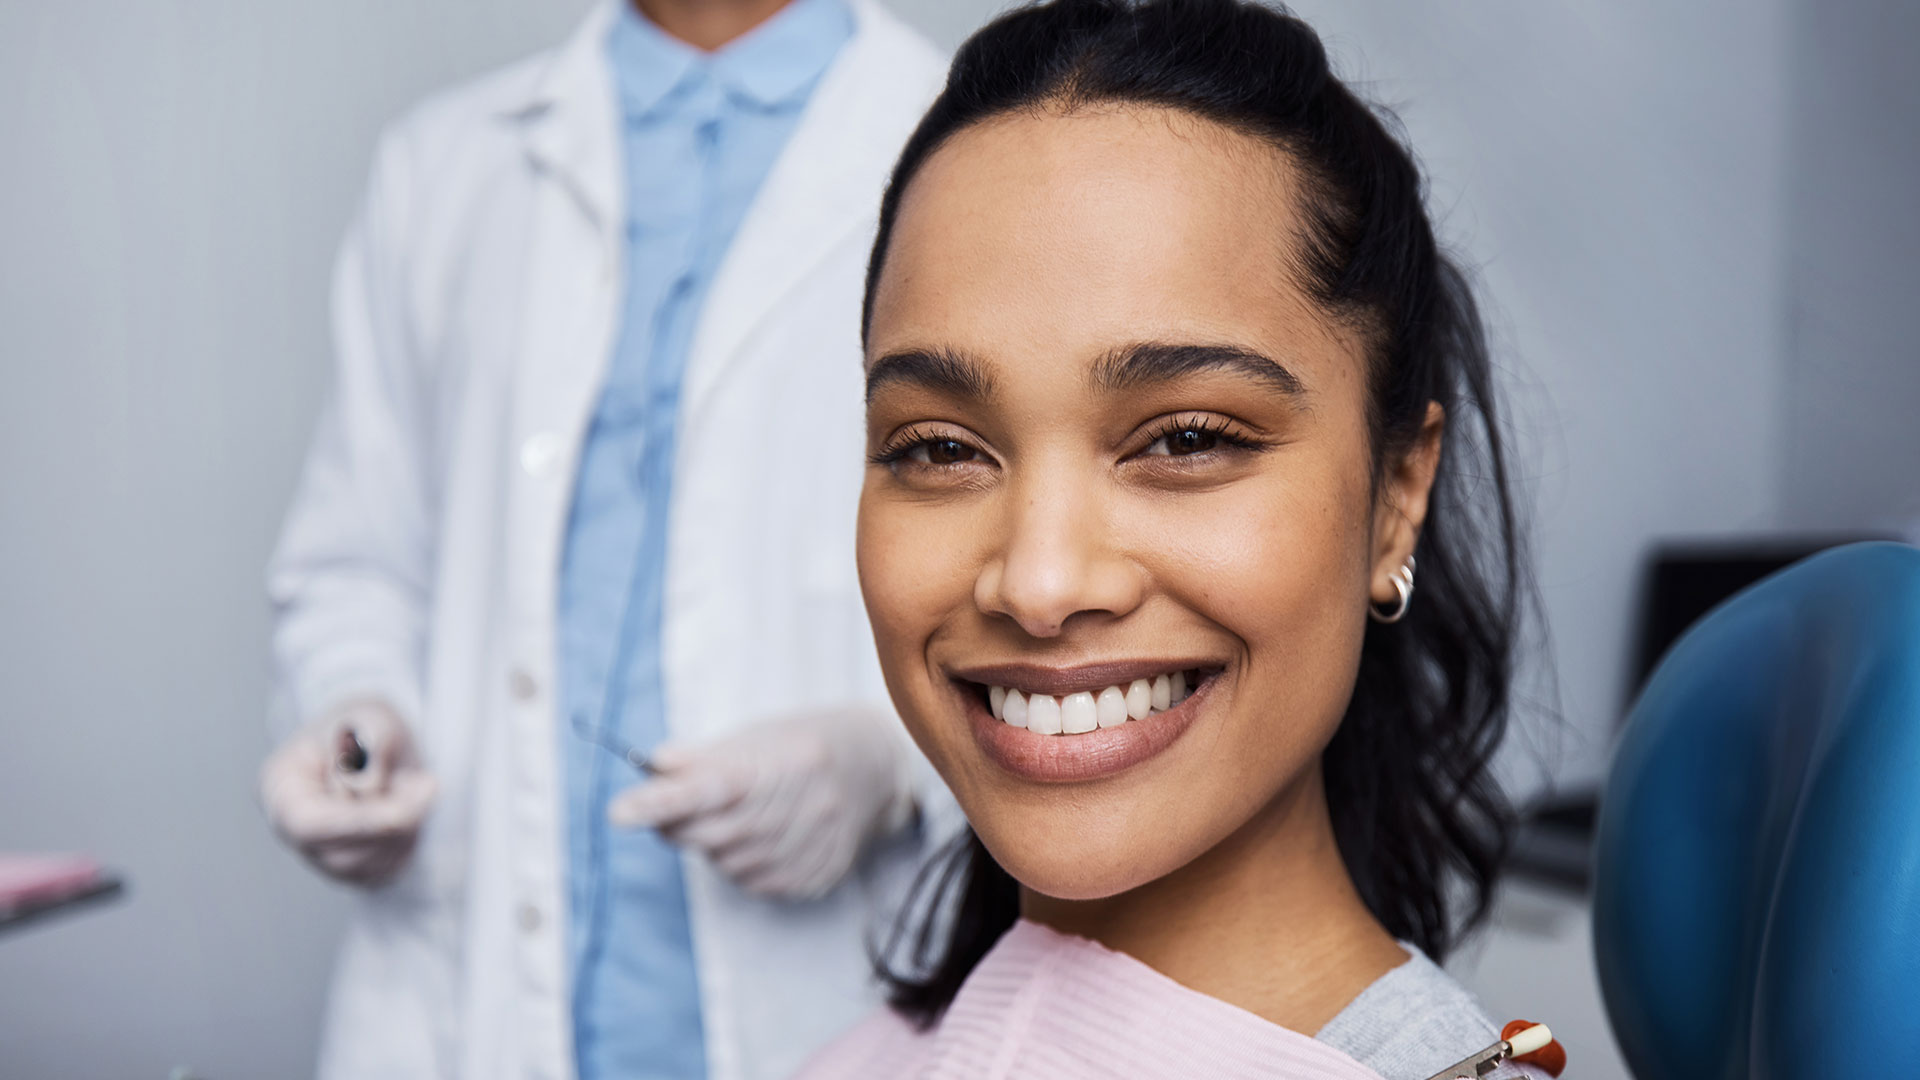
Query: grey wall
{"points": [[1646, 188], [176, 176], [1851, 400]]}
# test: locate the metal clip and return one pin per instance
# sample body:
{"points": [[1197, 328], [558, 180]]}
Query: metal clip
{"points": [[1478, 1065], [1529, 1039]]}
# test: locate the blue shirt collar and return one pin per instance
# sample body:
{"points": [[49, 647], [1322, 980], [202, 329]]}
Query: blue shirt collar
{"points": [[769, 66]]}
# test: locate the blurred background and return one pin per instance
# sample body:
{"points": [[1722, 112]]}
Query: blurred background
{"points": [[1694, 223]]}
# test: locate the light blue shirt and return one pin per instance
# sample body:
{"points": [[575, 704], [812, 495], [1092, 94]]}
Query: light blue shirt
{"points": [[699, 132]]}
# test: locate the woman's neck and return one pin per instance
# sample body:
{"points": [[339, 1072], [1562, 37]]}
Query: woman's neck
{"points": [[1267, 920], [708, 24]]}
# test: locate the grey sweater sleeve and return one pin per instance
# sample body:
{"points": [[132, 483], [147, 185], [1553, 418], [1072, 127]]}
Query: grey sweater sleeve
{"points": [[1414, 1021]]}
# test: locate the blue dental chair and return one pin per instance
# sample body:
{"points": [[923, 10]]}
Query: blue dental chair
{"points": [[1757, 865]]}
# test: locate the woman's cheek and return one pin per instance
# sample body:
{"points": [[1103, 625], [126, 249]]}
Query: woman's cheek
{"points": [[912, 575], [1281, 567], [1254, 547], [902, 558], [885, 582]]}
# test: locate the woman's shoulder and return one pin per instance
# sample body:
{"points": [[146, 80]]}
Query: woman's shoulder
{"points": [[1414, 1021], [883, 1044]]}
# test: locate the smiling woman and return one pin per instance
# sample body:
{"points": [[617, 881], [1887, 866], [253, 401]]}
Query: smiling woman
{"points": [[1167, 384]]}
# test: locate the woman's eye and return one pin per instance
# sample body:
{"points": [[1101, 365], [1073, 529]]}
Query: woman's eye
{"points": [[931, 452], [1183, 442], [946, 452]]}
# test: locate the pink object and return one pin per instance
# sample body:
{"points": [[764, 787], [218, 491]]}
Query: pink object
{"points": [[1042, 1004], [34, 880]]}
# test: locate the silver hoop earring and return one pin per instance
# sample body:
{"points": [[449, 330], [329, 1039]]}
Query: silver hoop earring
{"points": [[1403, 584]]}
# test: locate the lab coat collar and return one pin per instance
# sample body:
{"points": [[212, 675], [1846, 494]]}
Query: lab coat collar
{"points": [[570, 116], [570, 122], [811, 200], [815, 196]]}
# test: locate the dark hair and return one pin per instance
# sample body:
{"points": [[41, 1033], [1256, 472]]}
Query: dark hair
{"points": [[1414, 804]]}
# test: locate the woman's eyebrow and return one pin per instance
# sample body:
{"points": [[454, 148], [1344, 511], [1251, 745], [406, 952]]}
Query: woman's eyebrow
{"points": [[1147, 362], [937, 369]]}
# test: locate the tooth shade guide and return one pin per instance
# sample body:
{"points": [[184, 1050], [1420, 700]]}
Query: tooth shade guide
{"points": [[1527, 1040]]}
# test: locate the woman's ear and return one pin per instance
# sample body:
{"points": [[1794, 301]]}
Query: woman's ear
{"points": [[1405, 487]]}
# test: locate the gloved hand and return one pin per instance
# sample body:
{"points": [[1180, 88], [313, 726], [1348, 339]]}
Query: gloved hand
{"points": [[783, 808], [355, 827]]}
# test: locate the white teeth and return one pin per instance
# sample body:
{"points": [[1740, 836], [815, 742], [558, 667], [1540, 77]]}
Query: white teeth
{"points": [[1087, 710], [1016, 709], [1078, 714], [1043, 715]]}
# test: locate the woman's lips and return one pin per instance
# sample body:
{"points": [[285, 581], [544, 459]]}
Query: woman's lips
{"points": [[1087, 756]]}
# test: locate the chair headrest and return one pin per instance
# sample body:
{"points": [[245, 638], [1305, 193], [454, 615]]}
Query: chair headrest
{"points": [[1757, 864]]}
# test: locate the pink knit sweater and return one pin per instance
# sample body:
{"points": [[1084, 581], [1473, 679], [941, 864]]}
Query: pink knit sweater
{"points": [[1043, 1004]]}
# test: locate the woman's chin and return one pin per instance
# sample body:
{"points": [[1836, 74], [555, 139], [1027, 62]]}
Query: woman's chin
{"points": [[1093, 870]]}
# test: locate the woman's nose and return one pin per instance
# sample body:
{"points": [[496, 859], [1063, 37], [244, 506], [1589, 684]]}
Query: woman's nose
{"points": [[1055, 561]]}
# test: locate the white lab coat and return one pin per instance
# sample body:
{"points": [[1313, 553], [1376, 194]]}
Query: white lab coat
{"points": [[475, 308]]}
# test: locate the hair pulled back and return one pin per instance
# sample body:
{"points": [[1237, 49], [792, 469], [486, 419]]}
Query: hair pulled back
{"points": [[1415, 809]]}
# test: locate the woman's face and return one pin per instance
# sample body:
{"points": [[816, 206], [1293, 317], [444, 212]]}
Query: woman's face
{"points": [[1115, 450]]}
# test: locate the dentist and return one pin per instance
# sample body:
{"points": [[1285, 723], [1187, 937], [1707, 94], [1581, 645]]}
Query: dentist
{"points": [[583, 500]]}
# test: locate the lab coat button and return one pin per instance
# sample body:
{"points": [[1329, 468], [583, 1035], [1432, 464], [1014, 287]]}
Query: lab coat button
{"points": [[522, 684], [529, 918], [539, 453]]}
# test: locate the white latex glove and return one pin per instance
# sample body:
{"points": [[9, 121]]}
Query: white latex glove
{"points": [[359, 827], [783, 808]]}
